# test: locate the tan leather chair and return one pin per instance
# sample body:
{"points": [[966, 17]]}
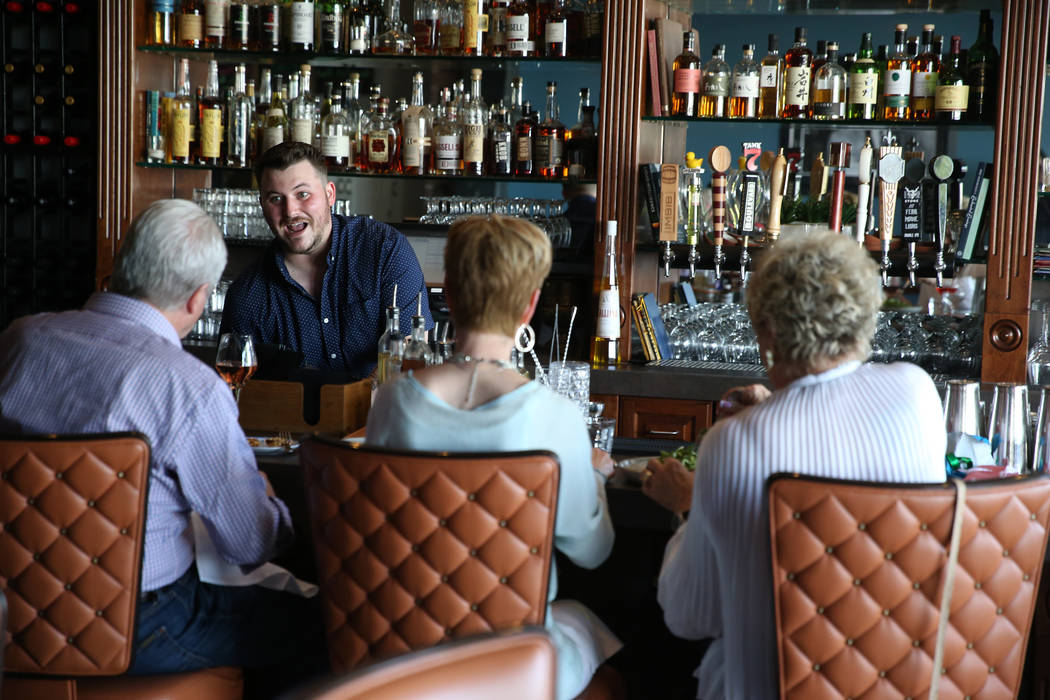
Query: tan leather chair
{"points": [[417, 548], [73, 515], [517, 665], [858, 570]]}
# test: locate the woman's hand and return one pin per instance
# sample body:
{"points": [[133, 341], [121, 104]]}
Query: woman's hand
{"points": [[741, 397], [602, 462], [668, 483]]}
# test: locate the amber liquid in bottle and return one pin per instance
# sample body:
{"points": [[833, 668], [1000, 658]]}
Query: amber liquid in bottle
{"points": [[896, 79], [685, 99], [798, 77], [549, 146], [524, 131], [924, 70], [191, 24], [771, 82]]}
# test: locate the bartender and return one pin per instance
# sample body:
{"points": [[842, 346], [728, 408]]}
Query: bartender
{"points": [[322, 287]]}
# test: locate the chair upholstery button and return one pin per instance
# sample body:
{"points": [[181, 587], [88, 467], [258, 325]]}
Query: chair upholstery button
{"points": [[474, 607], [70, 640], [58, 475], [503, 523], [849, 642], [924, 527], [915, 585], [796, 515], [62, 531], [882, 674], [444, 579], [68, 586], [917, 643], [991, 669], [944, 671], [471, 497], [36, 557], [829, 550], [534, 550], [889, 555], [503, 580], [39, 613], [473, 552], [1032, 516], [816, 667], [530, 494], [886, 612], [1026, 577], [415, 548], [448, 632], [91, 504], [856, 582], [442, 522], [413, 493], [98, 613], [1006, 552], [998, 611], [982, 524], [790, 576], [120, 475], [820, 610], [862, 526], [30, 501], [977, 585], [123, 531], [94, 560], [969, 645]]}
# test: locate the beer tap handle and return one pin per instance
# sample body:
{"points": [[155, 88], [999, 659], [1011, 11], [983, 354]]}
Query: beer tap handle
{"points": [[911, 210], [864, 178], [818, 179], [668, 231], [777, 190], [720, 159], [840, 156], [891, 169], [942, 167]]}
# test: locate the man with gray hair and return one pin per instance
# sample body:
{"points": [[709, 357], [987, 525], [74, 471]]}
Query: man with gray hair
{"points": [[118, 365]]}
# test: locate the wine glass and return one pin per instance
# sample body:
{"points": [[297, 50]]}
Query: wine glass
{"points": [[236, 361]]}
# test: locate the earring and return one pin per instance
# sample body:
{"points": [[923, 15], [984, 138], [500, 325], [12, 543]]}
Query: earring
{"points": [[769, 360], [525, 338]]}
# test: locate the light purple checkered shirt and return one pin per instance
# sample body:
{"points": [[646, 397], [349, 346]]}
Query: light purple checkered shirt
{"points": [[118, 365]]}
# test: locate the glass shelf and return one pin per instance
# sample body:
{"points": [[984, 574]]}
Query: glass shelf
{"points": [[322, 59], [825, 7], [394, 176], [831, 124]]}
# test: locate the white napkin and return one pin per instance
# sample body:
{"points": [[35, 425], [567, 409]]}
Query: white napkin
{"points": [[212, 568]]}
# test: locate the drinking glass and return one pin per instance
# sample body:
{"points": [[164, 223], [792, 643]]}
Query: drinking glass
{"points": [[1008, 426], [573, 381], [236, 361], [962, 407], [1039, 354], [602, 431]]}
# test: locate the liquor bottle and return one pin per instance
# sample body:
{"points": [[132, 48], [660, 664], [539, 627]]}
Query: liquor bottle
{"points": [[556, 31], [475, 21], [771, 82], [275, 128], [982, 72], [390, 350], [496, 37], [210, 119], [514, 112], [953, 94], [882, 59], [381, 141], [417, 353], [592, 28], [798, 76], [358, 29], [863, 82], [912, 48], [301, 25], [581, 145], [519, 36], [744, 99], [335, 136], [243, 25], [820, 57], [191, 24], [606, 341], [182, 122], [549, 150], [301, 112], [216, 20], [500, 143], [239, 112], [417, 123], [685, 100], [332, 26], [829, 87], [161, 21], [270, 26], [924, 69], [474, 119], [448, 139], [450, 29], [524, 133], [393, 40], [354, 111], [426, 21], [896, 79], [714, 99], [376, 17], [938, 46]]}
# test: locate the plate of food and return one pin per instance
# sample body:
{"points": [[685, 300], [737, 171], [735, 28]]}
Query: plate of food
{"points": [[272, 444]]}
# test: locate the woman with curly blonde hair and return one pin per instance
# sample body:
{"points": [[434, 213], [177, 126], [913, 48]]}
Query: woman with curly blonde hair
{"points": [[813, 301]]}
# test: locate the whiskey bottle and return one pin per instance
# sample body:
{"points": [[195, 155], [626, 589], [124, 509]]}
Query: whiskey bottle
{"points": [[475, 117], [514, 112], [924, 69], [882, 59], [829, 87], [519, 34], [798, 62], [896, 79], [714, 100], [270, 26], [243, 25], [685, 99], [743, 101], [496, 36], [771, 82], [275, 128], [393, 40], [475, 24], [983, 72], [556, 31], [191, 24], [417, 122], [210, 119], [358, 29], [499, 143], [332, 26], [820, 56], [549, 151], [450, 29], [426, 21], [161, 21], [335, 136], [581, 145], [606, 341], [182, 123], [417, 353], [239, 113], [524, 132], [863, 82], [953, 94], [364, 123], [448, 139], [354, 111], [381, 141], [301, 29], [216, 20], [302, 115], [262, 105]]}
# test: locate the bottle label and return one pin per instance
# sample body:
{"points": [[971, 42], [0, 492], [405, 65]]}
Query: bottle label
{"points": [[211, 132], [415, 150], [473, 143], [716, 85], [272, 135], [448, 36], [769, 76], [517, 28], [862, 88], [303, 130], [501, 153], [952, 97], [541, 149], [687, 80], [377, 147], [830, 109], [335, 145], [448, 152], [302, 23], [896, 83], [472, 26], [608, 325], [332, 29], [923, 84], [554, 32], [524, 148], [796, 86], [271, 26], [191, 27], [180, 134], [240, 23], [215, 17], [745, 86]]}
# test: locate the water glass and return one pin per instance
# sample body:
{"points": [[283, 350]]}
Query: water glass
{"points": [[602, 431], [962, 407], [573, 381], [1008, 426], [1041, 453]]}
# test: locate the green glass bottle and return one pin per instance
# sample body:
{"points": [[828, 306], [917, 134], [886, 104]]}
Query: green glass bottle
{"points": [[863, 82], [983, 73]]}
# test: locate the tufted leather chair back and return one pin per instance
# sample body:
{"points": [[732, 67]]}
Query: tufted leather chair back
{"points": [[511, 666], [416, 548], [857, 578]]}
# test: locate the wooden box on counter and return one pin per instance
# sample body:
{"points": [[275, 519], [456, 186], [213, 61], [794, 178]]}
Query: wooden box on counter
{"points": [[278, 406]]}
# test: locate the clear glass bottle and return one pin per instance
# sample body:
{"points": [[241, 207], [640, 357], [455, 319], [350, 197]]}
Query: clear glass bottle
{"points": [[606, 341], [581, 145], [275, 129], [332, 27], [829, 87], [358, 29], [417, 353], [896, 79], [771, 82], [556, 31], [863, 82], [524, 161], [514, 111], [519, 29], [714, 98], [301, 25], [474, 24], [216, 22], [354, 110], [239, 112], [798, 76], [1039, 354], [417, 124], [381, 141], [475, 119], [450, 30], [182, 116], [364, 123], [393, 40], [500, 143], [302, 115], [448, 139], [335, 136], [496, 37], [426, 24], [391, 348], [743, 101], [210, 115], [924, 70], [686, 72], [549, 149]]}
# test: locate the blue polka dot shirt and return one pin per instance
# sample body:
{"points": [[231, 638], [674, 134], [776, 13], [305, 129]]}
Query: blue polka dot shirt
{"points": [[339, 331]]}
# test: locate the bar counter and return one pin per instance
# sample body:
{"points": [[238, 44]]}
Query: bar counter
{"points": [[699, 381]]}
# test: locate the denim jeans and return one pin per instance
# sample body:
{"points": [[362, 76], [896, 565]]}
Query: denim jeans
{"points": [[190, 625]]}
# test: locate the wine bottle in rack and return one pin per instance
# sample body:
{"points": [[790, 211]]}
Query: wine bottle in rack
{"points": [[924, 70], [474, 26], [983, 72], [500, 143], [953, 94], [271, 27], [524, 133], [714, 98], [896, 79], [275, 128], [829, 87], [448, 139], [426, 19], [243, 26], [556, 31], [496, 36], [519, 34], [863, 82], [744, 93], [450, 29], [302, 113], [771, 82], [606, 341]]}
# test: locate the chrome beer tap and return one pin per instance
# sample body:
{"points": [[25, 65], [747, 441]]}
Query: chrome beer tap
{"points": [[749, 196], [891, 170], [694, 207], [942, 167]]}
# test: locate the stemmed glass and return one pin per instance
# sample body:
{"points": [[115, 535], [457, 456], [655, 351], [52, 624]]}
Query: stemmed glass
{"points": [[236, 361], [1039, 354]]}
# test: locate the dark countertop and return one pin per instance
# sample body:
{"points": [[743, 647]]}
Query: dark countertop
{"points": [[702, 381]]}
